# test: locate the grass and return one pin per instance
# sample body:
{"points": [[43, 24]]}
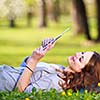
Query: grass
{"points": [[52, 94], [17, 43]]}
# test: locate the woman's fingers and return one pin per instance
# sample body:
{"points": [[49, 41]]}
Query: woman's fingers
{"points": [[45, 42], [38, 53], [49, 44], [41, 51]]}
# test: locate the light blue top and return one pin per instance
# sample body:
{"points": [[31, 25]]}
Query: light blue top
{"points": [[44, 77]]}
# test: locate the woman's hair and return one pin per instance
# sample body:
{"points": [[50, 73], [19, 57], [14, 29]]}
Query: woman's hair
{"points": [[88, 78]]}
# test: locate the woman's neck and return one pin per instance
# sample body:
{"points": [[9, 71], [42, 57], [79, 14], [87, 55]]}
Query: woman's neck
{"points": [[68, 69]]}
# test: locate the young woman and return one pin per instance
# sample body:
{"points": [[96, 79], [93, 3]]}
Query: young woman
{"points": [[87, 76], [82, 70]]}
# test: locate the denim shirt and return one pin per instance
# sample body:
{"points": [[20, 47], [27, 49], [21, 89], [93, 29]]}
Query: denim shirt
{"points": [[44, 77]]}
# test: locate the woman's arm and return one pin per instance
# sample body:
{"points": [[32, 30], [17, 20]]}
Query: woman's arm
{"points": [[31, 63]]}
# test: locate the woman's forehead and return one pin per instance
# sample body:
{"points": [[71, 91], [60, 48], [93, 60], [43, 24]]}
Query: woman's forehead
{"points": [[88, 55]]}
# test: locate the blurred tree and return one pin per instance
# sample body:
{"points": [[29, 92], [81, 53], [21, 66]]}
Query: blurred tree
{"points": [[29, 15], [16, 9], [3, 9], [50, 8], [11, 18], [65, 6], [80, 18], [30, 5], [98, 19], [54, 9], [12, 9], [43, 13]]}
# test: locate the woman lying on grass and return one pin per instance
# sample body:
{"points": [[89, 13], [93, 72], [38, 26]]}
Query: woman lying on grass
{"points": [[83, 72]]}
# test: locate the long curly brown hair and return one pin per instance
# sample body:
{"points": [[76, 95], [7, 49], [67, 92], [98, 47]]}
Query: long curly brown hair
{"points": [[87, 78]]}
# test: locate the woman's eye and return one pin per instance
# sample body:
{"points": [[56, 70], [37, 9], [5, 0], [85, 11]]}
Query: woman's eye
{"points": [[81, 58]]}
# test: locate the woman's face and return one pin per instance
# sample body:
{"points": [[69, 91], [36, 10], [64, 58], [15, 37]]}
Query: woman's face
{"points": [[79, 60]]}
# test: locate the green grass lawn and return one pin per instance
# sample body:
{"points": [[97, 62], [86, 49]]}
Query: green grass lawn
{"points": [[17, 43]]}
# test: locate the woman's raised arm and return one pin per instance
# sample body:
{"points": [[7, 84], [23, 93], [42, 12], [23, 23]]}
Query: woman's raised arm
{"points": [[31, 64]]}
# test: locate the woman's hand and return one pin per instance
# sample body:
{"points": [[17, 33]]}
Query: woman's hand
{"points": [[39, 53], [48, 41]]}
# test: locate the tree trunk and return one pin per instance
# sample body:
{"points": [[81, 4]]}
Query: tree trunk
{"points": [[77, 24], [56, 10], [43, 14], [80, 18], [12, 23], [98, 19], [29, 16]]}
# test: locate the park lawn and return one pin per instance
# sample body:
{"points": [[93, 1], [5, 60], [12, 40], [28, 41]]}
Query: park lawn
{"points": [[17, 43]]}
